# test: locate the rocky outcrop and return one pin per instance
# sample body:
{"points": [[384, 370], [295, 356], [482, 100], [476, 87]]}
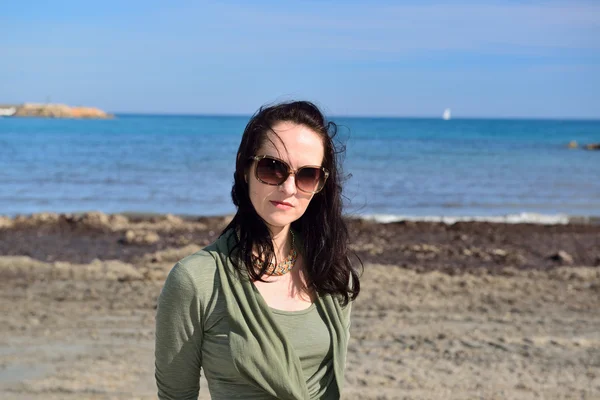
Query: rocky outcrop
{"points": [[593, 146], [59, 111]]}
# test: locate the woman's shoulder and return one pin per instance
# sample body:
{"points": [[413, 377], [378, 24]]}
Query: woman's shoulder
{"points": [[194, 273], [199, 262], [202, 265]]}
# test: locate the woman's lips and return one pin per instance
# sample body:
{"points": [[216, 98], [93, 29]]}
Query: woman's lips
{"points": [[282, 205]]}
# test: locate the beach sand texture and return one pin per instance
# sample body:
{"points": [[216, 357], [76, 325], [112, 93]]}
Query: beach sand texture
{"points": [[462, 311]]}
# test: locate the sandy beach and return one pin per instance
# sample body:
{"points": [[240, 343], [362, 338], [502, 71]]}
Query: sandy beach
{"points": [[471, 310]]}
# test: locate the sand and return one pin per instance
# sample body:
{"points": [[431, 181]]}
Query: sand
{"points": [[467, 311]]}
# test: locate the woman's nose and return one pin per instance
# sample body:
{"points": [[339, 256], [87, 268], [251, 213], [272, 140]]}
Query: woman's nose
{"points": [[289, 185]]}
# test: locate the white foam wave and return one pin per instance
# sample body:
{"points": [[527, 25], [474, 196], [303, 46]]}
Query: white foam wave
{"points": [[521, 218]]}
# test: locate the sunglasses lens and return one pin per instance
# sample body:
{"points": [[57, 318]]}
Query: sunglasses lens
{"points": [[310, 179], [271, 171]]}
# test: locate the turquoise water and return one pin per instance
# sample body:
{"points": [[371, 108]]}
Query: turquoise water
{"points": [[409, 167]]}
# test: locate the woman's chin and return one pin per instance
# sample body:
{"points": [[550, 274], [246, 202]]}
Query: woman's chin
{"points": [[277, 220]]}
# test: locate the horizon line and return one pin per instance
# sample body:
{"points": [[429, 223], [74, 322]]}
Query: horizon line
{"points": [[333, 115], [361, 116]]}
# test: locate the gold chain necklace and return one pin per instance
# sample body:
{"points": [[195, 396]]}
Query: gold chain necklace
{"points": [[283, 267]]}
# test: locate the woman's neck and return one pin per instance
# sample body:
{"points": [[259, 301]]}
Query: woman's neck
{"points": [[282, 242]]}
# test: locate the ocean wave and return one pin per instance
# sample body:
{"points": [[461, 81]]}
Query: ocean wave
{"points": [[520, 218]]}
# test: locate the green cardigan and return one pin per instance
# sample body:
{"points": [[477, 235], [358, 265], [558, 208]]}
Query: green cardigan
{"points": [[264, 360]]}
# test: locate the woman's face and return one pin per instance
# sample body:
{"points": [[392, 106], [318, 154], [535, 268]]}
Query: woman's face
{"points": [[298, 146]]}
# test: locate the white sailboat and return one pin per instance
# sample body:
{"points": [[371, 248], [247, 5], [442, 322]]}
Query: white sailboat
{"points": [[447, 114]]}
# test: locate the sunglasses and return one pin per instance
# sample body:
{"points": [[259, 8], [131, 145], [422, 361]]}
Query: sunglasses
{"points": [[273, 171]]}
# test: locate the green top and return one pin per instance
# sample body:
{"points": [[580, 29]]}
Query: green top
{"points": [[210, 317]]}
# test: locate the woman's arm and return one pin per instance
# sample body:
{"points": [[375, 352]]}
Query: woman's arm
{"points": [[179, 327]]}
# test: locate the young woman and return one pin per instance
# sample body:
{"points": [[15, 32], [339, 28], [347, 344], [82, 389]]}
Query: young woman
{"points": [[265, 310]]}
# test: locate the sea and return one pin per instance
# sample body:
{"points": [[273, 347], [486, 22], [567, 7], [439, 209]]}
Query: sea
{"points": [[395, 168]]}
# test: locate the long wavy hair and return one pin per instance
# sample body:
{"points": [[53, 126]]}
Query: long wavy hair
{"points": [[323, 230]]}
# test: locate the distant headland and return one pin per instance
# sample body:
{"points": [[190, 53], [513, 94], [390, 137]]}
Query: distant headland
{"points": [[51, 110]]}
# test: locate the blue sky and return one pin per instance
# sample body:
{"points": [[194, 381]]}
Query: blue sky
{"points": [[376, 58]]}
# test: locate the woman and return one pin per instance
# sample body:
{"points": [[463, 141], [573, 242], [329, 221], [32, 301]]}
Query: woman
{"points": [[265, 310]]}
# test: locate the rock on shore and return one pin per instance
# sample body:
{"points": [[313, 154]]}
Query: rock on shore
{"points": [[593, 146], [59, 111]]}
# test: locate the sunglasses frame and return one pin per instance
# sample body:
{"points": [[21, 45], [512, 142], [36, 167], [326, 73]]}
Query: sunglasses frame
{"points": [[290, 171]]}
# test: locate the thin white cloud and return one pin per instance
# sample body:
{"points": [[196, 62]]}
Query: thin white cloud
{"points": [[343, 31], [425, 27]]}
